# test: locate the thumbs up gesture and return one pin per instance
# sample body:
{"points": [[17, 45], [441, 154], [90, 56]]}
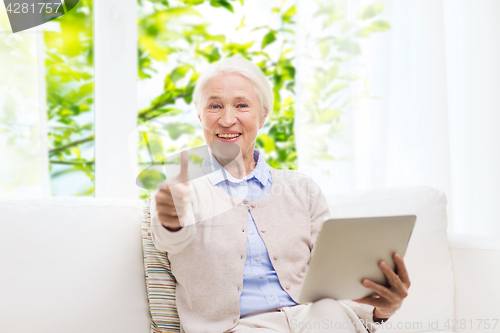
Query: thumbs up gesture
{"points": [[173, 198]]}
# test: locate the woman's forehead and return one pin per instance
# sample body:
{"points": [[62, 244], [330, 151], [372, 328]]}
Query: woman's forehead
{"points": [[228, 79], [231, 85]]}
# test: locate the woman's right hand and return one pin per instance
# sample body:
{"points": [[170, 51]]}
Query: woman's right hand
{"points": [[173, 198]]}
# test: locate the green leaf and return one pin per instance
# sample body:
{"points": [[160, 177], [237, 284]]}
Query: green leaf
{"points": [[170, 111], [338, 87], [288, 72], [242, 23], [211, 53], [235, 48], [266, 142], [380, 25], [288, 16], [178, 73], [324, 47], [375, 26], [268, 38], [176, 12], [86, 89], [335, 15], [350, 47], [66, 112], [193, 2], [292, 156], [324, 156], [83, 108], [154, 144], [150, 178], [332, 72], [76, 151], [328, 115], [175, 130], [222, 3], [371, 10]]}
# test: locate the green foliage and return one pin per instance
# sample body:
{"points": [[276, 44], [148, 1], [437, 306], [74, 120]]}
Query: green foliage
{"points": [[371, 10], [174, 34], [328, 94], [150, 178], [69, 80], [222, 3], [268, 38]]}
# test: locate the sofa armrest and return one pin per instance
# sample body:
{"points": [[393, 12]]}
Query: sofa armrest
{"points": [[476, 266]]}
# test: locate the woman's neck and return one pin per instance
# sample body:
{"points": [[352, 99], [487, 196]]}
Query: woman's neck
{"points": [[241, 165]]}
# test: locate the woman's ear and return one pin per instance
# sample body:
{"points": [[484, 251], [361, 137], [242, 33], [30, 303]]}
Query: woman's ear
{"points": [[198, 113], [262, 121]]}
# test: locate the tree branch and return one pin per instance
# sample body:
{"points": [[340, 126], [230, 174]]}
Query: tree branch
{"points": [[71, 162], [71, 144], [144, 112], [149, 163]]}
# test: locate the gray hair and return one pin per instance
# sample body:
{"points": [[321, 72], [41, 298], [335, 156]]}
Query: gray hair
{"points": [[242, 67]]}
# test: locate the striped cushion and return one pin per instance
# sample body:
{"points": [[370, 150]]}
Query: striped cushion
{"points": [[160, 282]]}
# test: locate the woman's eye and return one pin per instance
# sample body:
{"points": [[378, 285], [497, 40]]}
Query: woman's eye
{"points": [[242, 106], [214, 107]]}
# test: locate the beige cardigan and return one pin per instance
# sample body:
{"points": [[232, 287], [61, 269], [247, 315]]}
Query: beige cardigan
{"points": [[208, 255]]}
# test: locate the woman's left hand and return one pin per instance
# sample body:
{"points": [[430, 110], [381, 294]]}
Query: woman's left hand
{"points": [[388, 300]]}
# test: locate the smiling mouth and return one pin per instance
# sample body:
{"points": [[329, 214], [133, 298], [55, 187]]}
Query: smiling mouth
{"points": [[228, 136]]}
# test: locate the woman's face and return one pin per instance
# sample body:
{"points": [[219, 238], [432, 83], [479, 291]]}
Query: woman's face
{"points": [[231, 111]]}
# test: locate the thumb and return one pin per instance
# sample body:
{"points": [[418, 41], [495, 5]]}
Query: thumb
{"points": [[184, 161]]}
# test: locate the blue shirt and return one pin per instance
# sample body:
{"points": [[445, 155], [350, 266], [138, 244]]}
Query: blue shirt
{"points": [[261, 287]]}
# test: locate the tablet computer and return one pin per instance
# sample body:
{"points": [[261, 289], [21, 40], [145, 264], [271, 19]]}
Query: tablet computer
{"points": [[348, 250]]}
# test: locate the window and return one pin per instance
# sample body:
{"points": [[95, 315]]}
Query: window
{"points": [[69, 75]]}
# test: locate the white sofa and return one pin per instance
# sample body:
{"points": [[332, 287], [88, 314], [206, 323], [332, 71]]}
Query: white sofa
{"points": [[76, 265]]}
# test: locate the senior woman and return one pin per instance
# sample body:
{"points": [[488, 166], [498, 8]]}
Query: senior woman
{"points": [[240, 270]]}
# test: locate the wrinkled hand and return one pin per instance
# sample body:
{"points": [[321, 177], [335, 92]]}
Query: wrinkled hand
{"points": [[388, 300], [173, 197]]}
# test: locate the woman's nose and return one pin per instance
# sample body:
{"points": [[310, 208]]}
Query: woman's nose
{"points": [[227, 117]]}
